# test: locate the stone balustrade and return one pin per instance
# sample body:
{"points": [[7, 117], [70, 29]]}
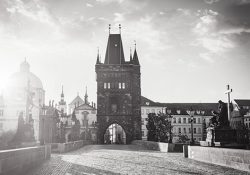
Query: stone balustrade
{"points": [[18, 161]]}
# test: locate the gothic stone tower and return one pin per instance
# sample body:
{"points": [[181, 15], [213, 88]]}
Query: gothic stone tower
{"points": [[118, 91]]}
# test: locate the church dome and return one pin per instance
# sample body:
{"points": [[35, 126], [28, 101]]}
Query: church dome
{"points": [[20, 79]]}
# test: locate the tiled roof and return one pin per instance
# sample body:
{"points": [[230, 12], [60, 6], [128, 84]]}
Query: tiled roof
{"points": [[114, 51], [242, 102], [76, 100], [182, 108], [84, 107], [147, 102]]}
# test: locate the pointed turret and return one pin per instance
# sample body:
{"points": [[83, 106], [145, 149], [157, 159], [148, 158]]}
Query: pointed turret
{"points": [[135, 58], [130, 57], [98, 58]]}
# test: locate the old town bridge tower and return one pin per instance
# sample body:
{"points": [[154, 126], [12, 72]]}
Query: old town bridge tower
{"points": [[118, 95]]}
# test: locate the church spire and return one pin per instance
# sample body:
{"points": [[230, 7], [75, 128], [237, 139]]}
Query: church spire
{"points": [[62, 94], [86, 97]]}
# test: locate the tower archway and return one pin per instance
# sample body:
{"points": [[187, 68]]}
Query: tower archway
{"points": [[115, 134]]}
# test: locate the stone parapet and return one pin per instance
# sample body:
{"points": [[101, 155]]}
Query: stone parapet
{"points": [[69, 146], [158, 146], [18, 161], [234, 158]]}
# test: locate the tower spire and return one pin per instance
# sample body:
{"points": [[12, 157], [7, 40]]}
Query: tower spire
{"points": [[109, 28], [120, 28], [62, 94], [86, 96]]}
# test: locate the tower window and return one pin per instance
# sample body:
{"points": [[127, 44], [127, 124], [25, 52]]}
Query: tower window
{"points": [[105, 85], [123, 85], [120, 85], [108, 85]]}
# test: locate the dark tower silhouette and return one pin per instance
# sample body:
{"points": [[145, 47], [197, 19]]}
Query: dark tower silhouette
{"points": [[118, 91]]}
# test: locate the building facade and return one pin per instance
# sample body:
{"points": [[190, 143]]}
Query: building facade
{"points": [[180, 119], [23, 94], [118, 94]]}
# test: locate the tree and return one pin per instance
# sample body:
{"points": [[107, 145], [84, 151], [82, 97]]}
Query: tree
{"points": [[182, 138], [159, 127]]}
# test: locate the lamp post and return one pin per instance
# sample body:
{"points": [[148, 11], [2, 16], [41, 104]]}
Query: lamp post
{"points": [[170, 129], [191, 114]]}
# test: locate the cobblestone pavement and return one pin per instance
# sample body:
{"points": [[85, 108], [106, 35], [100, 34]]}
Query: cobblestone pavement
{"points": [[125, 159]]}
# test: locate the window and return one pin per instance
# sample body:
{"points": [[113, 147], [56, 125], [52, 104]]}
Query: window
{"points": [[174, 130], [194, 130], [142, 121], [199, 120], [108, 85], [123, 85], [184, 120], [142, 132], [184, 130], [199, 130], [179, 120], [194, 120], [189, 120], [179, 130], [105, 86], [189, 130], [174, 120], [120, 85]]}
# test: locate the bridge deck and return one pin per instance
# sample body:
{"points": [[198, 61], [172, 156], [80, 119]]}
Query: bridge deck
{"points": [[125, 159]]}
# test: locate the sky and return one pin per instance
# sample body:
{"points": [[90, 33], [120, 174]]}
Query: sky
{"points": [[189, 50]]}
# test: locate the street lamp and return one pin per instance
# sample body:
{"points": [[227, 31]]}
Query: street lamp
{"points": [[170, 129], [191, 114]]}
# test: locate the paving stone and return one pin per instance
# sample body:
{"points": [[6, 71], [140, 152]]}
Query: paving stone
{"points": [[125, 159]]}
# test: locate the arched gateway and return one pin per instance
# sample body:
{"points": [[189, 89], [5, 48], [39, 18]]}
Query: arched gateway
{"points": [[118, 94], [115, 134]]}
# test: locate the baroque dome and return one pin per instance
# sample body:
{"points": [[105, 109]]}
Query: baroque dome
{"points": [[20, 79]]}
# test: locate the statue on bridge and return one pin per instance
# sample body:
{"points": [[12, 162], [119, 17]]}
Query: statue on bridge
{"points": [[220, 118]]}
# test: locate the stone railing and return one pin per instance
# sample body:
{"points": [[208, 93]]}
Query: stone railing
{"points": [[234, 158], [69, 146], [18, 161], [158, 146]]}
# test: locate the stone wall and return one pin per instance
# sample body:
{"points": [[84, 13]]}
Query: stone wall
{"points": [[69, 146], [18, 161], [234, 158], [158, 146]]}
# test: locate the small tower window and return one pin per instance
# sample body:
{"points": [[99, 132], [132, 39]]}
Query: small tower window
{"points": [[108, 85], [120, 85], [105, 85], [123, 85]]}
